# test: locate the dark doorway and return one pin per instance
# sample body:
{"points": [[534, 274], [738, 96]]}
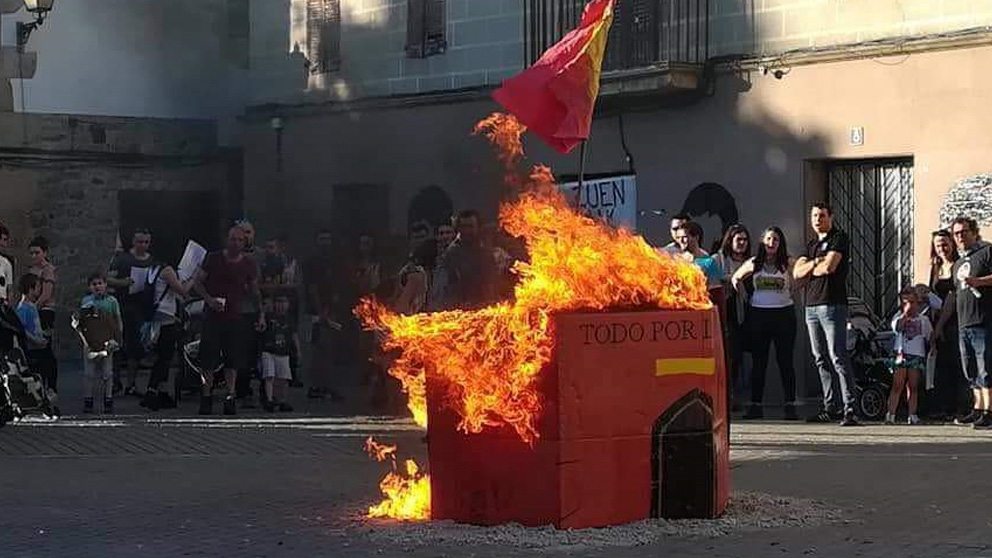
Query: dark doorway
{"points": [[683, 460], [431, 205], [360, 208], [173, 217]]}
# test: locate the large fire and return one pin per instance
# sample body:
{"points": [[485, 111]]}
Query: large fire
{"points": [[490, 358]]}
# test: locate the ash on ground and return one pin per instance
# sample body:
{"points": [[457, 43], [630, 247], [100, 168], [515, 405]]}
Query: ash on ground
{"points": [[746, 511]]}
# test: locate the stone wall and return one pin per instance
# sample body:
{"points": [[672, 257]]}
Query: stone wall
{"points": [[61, 177]]}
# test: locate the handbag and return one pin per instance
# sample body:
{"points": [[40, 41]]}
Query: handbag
{"points": [[150, 329]]}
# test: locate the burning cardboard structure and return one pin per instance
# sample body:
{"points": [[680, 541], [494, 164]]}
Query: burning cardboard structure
{"points": [[633, 426], [562, 405]]}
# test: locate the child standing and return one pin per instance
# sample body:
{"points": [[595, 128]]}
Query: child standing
{"points": [[39, 349], [27, 312], [101, 327], [278, 343], [912, 332]]}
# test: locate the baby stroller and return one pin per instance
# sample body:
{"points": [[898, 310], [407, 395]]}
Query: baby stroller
{"points": [[869, 344], [21, 391]]}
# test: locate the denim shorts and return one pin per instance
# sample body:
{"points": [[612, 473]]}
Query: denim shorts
{"points": [[909, 362], [976, 356]]}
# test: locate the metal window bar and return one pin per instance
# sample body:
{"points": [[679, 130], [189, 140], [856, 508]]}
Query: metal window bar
{"points": [[324, 35], [426, 23], [644, 32], [873, 203]]}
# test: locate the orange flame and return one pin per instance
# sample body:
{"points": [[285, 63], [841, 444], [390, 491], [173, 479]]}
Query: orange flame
{"points": [[489, 359], [407, 495], [504, 131], [379, 452]]}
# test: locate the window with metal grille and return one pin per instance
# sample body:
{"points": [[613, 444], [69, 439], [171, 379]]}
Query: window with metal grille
{"points": [[873, 203], [324, 35], [425, 25], [644, 32]]}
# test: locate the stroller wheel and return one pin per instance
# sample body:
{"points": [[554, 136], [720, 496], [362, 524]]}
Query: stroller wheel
{"points": [[872, 402]]}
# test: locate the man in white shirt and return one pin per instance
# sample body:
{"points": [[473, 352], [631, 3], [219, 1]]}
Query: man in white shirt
{"points": [[6, 267]]}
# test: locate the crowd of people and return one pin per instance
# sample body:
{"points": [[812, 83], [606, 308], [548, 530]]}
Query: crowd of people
{"points": [[940, 349], [254, 301]]}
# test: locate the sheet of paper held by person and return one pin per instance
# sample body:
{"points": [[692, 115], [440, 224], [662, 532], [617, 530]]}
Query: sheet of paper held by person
{"points": [[192, 259]]}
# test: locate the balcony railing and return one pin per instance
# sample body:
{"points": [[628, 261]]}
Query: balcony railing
{"points": [[644, 32]]}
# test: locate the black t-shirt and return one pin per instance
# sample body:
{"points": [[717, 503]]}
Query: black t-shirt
{"points": [[973, 310], [829, 289], [278, 336], [122, 264]]}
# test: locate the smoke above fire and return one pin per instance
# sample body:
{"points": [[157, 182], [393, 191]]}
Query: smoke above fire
{"points": [[488, 360]]}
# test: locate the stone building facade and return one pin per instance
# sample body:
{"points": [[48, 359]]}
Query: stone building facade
{"points": [[359, 112], [484, 40], [878, 107], [82, 181]]}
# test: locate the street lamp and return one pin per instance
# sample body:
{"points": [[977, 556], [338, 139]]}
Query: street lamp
{"points": [[40, 9]]}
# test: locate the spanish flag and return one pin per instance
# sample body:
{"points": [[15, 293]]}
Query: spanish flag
{"points": [[555, 97]]}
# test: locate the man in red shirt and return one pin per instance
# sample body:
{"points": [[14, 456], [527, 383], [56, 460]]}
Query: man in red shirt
{"points": [[227, 279]]}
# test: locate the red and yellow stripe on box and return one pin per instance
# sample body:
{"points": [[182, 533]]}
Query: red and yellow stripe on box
{"points": [[555, 97]]}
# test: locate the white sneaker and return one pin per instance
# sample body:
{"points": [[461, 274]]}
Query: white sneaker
{"points": [[890, 419], [913, 420]]}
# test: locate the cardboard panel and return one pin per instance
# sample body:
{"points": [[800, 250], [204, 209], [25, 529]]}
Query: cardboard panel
{"points": [[617, 382], [605, 482], [616, 372], [489, 478]]}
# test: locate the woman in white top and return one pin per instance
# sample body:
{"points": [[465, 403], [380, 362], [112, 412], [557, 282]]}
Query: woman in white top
{"points": [[168, 290], [771, 318]]}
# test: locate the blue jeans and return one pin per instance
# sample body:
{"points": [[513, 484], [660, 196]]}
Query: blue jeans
{"points": [[827, 327], [976, 356]]}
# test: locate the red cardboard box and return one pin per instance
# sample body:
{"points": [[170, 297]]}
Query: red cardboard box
{"points": [[634, 425]]}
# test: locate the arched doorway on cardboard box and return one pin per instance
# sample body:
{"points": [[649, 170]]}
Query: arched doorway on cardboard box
{"points": [[683, 459]]}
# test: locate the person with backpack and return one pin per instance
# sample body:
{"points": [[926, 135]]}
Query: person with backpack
{"points": [[162, 329]]}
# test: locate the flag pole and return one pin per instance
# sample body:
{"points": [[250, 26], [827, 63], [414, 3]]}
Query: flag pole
{"points": [[582, 163]]}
